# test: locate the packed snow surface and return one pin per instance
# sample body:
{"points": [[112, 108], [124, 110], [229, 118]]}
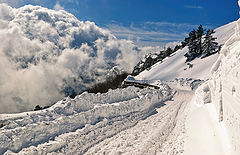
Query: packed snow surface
{"points": [[151, 135]]}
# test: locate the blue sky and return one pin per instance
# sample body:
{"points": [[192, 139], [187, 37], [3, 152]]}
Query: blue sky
{"points": [[146, 22]]}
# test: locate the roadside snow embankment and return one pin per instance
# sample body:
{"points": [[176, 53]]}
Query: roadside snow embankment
{"points": [[225, 88], [73, 126]]}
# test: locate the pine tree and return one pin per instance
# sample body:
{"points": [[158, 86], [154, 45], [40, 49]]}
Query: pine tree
{"points": [[192, 46], [168, 52], [177, 47], [209, 45], [185, 42], [200, 33]]}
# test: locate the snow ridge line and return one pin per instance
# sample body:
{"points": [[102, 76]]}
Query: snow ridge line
{"points": [[113, 126], [34, 135]]}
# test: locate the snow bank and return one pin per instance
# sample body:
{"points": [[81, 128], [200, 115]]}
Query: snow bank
{"points": [[85, 120], [225, 87]]}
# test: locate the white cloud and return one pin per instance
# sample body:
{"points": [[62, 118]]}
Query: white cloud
{"points": [[12, 3], [44, 52], [153, 33], [58, 7], [150, 33]]}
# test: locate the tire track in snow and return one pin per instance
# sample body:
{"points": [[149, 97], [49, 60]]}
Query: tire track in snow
{"points": [[150, 135]]}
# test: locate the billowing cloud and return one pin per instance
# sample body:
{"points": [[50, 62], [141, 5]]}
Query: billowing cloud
{"points": [[45, 52]]}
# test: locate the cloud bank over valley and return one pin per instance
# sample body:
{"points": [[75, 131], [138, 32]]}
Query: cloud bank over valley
{"points": [[44, 52]]}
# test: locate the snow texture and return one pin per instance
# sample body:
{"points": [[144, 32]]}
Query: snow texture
{"points": [[204, 134], [224, 87], [72, 126], [161, 133]]}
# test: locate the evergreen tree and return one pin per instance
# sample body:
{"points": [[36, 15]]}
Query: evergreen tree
{"points": [[185, 42], [200, 33], [192, 46], [177, 47], [209, 45], [168, 52]]}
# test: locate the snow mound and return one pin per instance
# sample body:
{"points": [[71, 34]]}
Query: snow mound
{"points": [[74, 125]]}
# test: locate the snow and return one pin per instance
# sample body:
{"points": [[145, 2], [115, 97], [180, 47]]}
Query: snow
{"points": [[203, 94], [75, 125], [175, 67], [149, 136], [200, 128], [224, 87], [204, 133]]}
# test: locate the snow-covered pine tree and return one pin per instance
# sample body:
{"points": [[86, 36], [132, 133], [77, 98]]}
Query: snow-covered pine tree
{"points": [[209, 45]]}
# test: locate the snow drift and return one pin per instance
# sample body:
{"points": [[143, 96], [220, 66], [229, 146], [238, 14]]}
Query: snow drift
{"points": [[44, 53]]}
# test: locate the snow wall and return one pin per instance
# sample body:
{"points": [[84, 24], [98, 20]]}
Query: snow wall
{"points": [[225, 88]]}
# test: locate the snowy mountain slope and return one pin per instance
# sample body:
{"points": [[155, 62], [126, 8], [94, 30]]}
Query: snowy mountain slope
{"points": [[224, 32], [175, 67]]}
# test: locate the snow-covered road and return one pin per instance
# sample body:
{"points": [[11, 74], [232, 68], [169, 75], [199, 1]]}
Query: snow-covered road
{"points": [[130, 121], [123, 121], [161, 133]]}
